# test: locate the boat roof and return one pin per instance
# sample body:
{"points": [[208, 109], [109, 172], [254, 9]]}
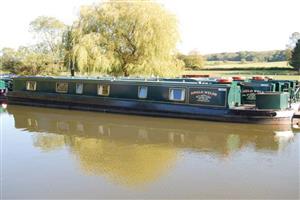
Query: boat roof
{"points": [[144, 80], [127, 79]]}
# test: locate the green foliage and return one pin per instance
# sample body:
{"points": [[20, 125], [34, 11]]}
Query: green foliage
{"points": [[295, 57], [293, 39], [291, 44], [27, 61], [124, 38], [249, 56], [243, 61], [9, 59], [192, 61], [45, 57], [48, 31]]}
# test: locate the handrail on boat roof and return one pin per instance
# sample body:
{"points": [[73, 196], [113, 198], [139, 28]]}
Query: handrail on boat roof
{"points": [[112, 78]]}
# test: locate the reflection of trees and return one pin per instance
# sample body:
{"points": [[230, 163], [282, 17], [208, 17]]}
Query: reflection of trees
{"points": [[130, 164], [48, 142], [126, 163]]}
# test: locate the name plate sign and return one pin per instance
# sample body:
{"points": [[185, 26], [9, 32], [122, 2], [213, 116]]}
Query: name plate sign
{"points": [[249, 92], [208, 96]]}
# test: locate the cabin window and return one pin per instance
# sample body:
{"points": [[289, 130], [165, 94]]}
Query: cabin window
{"points": [[103, 90], [79, 88], [31, 85], [62, 87], [143, 92], [177, 94]]}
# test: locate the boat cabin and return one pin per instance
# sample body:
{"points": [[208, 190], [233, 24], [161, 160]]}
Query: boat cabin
{"points": [[175, 91]]}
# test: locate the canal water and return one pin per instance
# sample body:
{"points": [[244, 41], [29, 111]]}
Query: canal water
{"points": [[55, 153]]}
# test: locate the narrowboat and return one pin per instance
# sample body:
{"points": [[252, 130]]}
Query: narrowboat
{"points": [[2, 91], [5, 85], [206, 98]]}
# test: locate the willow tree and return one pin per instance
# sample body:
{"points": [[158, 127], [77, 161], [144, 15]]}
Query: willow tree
{"points": [[126, 38]]}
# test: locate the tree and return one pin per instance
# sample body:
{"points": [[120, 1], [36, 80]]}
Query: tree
{"points": [[125, 38], [41, 58], [295, 57], [48, 32], [293, 40], [9, 59], [249, 56], [30, 60], [68, 46], [291, 44], [193, 60]]}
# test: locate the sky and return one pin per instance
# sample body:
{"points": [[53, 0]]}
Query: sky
{"points": [[208, 26]]}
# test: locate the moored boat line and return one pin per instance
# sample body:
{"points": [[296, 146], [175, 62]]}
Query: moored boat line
{"points": [[208, 98]]}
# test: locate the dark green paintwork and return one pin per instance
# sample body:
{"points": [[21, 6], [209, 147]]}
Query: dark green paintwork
{"points": [[279, 101], [228, 95], [282, 85], [250, 89]]}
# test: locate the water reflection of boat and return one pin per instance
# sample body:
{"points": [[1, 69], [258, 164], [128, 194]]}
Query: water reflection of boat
{"points": [[220, 138], [136, 150], [3, 108]]}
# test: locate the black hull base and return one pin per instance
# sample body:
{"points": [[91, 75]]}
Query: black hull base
{"points": [[148, 109], [3, 99]]}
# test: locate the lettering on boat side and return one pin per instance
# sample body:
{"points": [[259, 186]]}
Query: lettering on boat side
{"points": [[208, 96], [203, 98], [249, 95], [249, 92], [209, 93]]}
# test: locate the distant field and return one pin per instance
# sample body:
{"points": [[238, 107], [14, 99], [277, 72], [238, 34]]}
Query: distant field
{"points": [[247, 65], [277, 70]]}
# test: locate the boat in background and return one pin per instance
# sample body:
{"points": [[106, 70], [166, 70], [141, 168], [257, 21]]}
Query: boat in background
{"points": [[5, 85]]}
